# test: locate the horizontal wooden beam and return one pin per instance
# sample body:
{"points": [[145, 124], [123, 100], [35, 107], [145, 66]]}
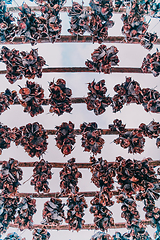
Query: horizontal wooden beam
{"points": [[85, 227], [57, 194], [77, 39], [85, 69], [79, 165], [73, 100], [63, 9], [104, 131]]}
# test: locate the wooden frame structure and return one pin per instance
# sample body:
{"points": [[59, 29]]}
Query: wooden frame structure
{"points": [[79, 39]]}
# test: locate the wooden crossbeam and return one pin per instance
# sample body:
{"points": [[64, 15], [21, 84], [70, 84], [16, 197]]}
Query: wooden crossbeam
{"points": [[104, 131], [154, 163], [73, 100], [57, 194], [86, 226], [63, 9], [85, 69], [77, 39]]}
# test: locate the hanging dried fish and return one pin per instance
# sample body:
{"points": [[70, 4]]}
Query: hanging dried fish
{"points": [[103, 58], [10, 175], [8, 27], [102, 215], [91, 140], [134, 175], [152, 130], [65, 137], [30, 27], [152, 63], [59, 97], [102, 8], [127, 92], [96, 99], [151, 100], [41, 172], [79, 19], [134, 141], [117, 126], [32, 98], [76, 204], [69, 177], [5, 137], [32, 137], [8, 207], [26, 210], [53, 213], [39, 233], [21, 64], [51, 18], [102, 176], [7, 98]]}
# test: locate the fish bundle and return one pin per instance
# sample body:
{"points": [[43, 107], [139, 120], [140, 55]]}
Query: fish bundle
{"points": [[134, 141], [5, 137], [102, 8], [32, 98], [152, 130], [126, 93], [96, 99], [152, 63], [149, 196], [79, 19], [134, 24], [129, 210], [133, 175], [30, 27], [10, 175], [39, 233], [91, 140], [8, 28], [151, 100], [26, 210], [102, 59], [69, 177], [102, 176], [8, 207], [117, 126], [102, 215], [148, 39], [50, 16], [21, 64], [59, 97], [53, 213], [32, 137], [100, 19], [65, 137], [76, 204], [98, 28], [41, 172], [7, 98]]}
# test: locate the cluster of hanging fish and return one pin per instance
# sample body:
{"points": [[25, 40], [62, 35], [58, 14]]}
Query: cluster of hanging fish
{"points": [[60, 101], [96, 22], [29, 25], [134, 140]]}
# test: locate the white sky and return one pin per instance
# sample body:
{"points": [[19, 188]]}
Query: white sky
{"points": [[73, 54]]}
